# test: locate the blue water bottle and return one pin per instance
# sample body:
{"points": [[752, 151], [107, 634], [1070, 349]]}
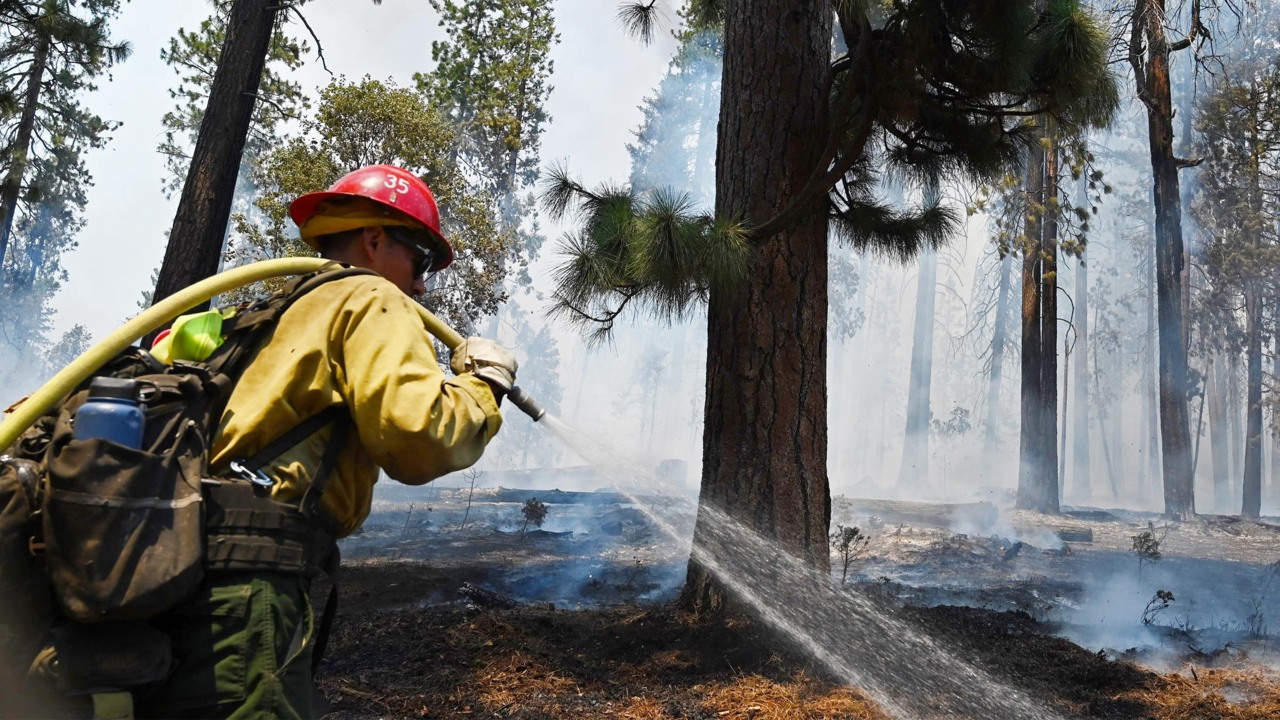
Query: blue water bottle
{"points": [[112, 412]]}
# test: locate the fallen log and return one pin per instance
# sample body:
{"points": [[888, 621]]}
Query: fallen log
{"points": [[487, 598]]}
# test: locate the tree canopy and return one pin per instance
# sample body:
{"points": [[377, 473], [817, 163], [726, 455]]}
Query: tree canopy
{"points": [[193, 55], [366, 123]]}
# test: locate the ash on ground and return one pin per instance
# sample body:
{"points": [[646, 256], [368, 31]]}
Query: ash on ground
{"points": [[593, 549], [1077, 572]]}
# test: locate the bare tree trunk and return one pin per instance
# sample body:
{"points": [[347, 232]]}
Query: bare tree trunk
{"points": [[18, 156], [1065, 413], [1235, 413], [1251, 504], [1152, 73], [200, 224], [1038, 463], [1275, 416], [1151, 471], [913, 473], [1080, 462], [765, 440]]}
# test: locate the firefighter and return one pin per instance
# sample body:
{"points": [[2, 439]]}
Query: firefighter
{"points": [[244, 645]]}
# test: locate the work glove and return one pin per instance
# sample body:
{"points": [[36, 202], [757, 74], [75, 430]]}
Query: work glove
{"points": [[488, 361]]}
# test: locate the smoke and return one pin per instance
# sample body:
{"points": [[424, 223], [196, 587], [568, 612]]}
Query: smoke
{"points": [[986, 520], [30, 350]]}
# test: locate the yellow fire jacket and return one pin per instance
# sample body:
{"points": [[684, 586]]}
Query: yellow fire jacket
{"points": [[360, 343]]}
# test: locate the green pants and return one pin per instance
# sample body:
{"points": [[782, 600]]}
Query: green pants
{"points": [[234, 644]]}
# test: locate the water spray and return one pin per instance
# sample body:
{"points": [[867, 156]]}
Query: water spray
{"points": [[75, 373]]}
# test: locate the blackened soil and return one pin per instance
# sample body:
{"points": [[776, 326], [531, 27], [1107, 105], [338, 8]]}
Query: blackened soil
{"points": [[391, 656]]}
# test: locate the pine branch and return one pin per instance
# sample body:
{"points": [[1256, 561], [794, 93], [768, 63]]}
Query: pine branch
{"points": [[319, 47], [639, 19]]}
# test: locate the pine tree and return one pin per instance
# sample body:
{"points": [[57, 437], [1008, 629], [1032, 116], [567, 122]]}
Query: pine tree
{"points": [[1236, 205], [204, 208], [801, 143], [492, 79], [193, 55], [53, 51], [371, 122], [1151, 47]]}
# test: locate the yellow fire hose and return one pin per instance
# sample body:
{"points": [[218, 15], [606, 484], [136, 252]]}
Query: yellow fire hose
{"points": [[67, 379]]}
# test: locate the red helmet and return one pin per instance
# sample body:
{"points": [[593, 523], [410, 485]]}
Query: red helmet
{"points": [[405, 201]]}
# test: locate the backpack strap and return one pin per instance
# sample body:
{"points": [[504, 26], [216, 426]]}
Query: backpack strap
{"points": [[230, 357]]}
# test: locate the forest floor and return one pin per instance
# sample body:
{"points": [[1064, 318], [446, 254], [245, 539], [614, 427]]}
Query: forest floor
{"points": [[579, 619]]}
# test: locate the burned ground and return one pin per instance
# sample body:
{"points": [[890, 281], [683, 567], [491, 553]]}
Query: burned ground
{"points": [[597, 636]]}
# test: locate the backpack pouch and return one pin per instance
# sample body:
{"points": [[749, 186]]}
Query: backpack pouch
{"points": [[26, 606], [124, 527]]}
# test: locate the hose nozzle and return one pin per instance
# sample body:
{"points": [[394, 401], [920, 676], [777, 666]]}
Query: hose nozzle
{"points": [[526, 403]]}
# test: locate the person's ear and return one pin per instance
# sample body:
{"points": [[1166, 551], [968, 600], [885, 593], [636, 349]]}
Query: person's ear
{"points": [[369, 239]]}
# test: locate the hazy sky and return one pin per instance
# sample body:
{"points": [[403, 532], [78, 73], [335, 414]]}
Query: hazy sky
{"points": [[601, 75]]}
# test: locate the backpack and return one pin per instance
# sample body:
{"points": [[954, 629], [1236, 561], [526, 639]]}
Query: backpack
{"points": [[96, 537]]}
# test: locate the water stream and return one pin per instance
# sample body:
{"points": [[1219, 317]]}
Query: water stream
{"points": [[857, 638]]}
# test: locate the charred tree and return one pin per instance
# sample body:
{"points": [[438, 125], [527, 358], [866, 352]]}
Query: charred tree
{"points": [[1038, 449], [1149, 52], [200, 224], [765, 438]]}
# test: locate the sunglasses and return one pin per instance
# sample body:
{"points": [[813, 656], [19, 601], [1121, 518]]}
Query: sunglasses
{"points": [[418, 242]]}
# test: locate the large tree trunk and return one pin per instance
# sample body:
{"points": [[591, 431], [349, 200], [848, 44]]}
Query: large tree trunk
{"points": [[1081, 486], [1175, 433], [200, 224], [765, 440], [18, 156], [1235, 414], [913, 473], [1274, 493], [1038, 462], [1251, 504], [1149, 472]]}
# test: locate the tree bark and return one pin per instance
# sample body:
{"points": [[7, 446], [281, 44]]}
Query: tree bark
{"points": [[1038, 462], [1081, 485], [18, 158], [1251, 504], [200, 224], [1234, 413], [1275, 416], [1150, 420], [1175, 433], [765, 441]]}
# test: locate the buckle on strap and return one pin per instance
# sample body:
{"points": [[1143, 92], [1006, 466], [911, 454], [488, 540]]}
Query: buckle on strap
{"points": [[261, 481]]}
